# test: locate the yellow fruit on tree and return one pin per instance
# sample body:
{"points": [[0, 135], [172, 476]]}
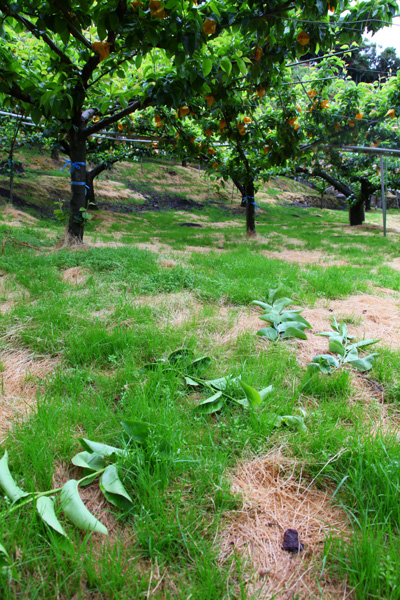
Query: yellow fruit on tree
{"points": [[211, 151], [192, 140], [184, 110], [215, 165], [157, 118], [324, 104], [120, 127], [303, 38], [222, 124], [359, 116], [312, 93], [136, 4], [209, 26], [208, 132], [103, 48], [247, 120], [157, 9], [391, 113], [260, 93], [337, 126], [210, 99], [292, 121], [352, 123], [258, 53]]}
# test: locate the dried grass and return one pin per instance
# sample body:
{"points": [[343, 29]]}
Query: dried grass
{"points": [[174, 310], [20, 381], [304, 257], [275, 499], [380, 320], [18, 218], [75, 275]]}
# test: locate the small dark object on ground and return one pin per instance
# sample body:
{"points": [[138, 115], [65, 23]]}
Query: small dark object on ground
{"points": [[291, 542], [171, 172], [190, 225], [293, 215]]}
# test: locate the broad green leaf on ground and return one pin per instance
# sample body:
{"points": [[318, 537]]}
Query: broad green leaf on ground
{"points": [[211, 405], [191, 382], [281, 303], [224, 383], [113, 490], [199, 365], [153, 366], [253, 396], [296, 422], [266, 392], [136, 430], [294, 332], [45, 508], [101, 449], [271, 317], [7, 483], [89, 460], [364, 364], [4, 558], [324, 363], [364, 343], [268, 332], [336, 346], [296, 317], [262, 304], [183, 354], [76, 511]]}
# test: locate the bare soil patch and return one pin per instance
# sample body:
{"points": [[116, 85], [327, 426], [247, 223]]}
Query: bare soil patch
{"points": [[276, 499], [75, 275], [304, 257], [20, 379]]}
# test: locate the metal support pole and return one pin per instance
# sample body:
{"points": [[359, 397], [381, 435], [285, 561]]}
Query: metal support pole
{"points": [[383, 197]]}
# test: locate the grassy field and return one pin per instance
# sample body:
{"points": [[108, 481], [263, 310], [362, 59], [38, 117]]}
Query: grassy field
{"points": [[211, 493]]}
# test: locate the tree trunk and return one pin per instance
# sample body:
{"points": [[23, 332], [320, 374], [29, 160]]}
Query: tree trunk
{"points": [[55, 153], [366, 190], [78, 185], [184, 162], [357, 213]]}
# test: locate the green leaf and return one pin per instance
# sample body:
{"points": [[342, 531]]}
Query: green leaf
{"points": [[268, 332], [76, 511], [89, 460], [136, 430], [7, 483], [224, 383], [211, 405], [113, 490], [183, 354], [226, 65], [4, 559], [252, 395], [262, 304], [294, 332], [281, 303], [242, 66], [324, 363], [266, 392], [364, 364], [241, 401], [102, 449], [191, 382], [364, 343], [336, 346], [293, 421], [296, 318], [153, 366], [199, 365], [45, 508], [284, 326], [272, 317], [207, 66]]}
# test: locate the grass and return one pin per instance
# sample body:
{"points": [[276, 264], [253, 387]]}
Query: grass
{"points": [[129, 310]]}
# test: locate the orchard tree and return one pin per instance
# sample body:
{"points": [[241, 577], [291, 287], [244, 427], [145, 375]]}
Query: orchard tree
{"points": [[68, 62]]}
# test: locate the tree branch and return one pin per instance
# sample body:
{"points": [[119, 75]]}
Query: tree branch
{"points": [[43, 36], [338, 185], [104, 123]]}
